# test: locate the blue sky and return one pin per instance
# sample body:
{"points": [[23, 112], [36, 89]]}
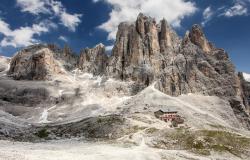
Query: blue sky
{"points": [[85, 23]]}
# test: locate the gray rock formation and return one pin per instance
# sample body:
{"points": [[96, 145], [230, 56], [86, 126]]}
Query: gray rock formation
{"points": [[198, 38], [93, 60], [245, 90], [136, 53], [66, 56], [41, 62], [145, 52]]}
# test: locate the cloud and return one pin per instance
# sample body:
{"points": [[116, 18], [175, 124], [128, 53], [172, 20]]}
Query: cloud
{"points": [[4, 28], [23, 36], [53, 8], [207, 15], [33, 6], [237, 10], [173, 11], [62, 38], [70, 21]]}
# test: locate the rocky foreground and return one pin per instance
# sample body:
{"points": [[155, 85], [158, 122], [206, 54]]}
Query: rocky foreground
{"points": [[50, 97], [81, 150]]}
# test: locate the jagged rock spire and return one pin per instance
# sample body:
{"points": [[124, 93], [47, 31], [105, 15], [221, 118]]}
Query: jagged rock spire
{"points": [[93, 60], [145, 52], [165, 36], [197, 37]]}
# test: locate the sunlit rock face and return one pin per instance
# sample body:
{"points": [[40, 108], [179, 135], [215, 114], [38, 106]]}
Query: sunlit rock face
{"points": [[65, 56], [137, 52], [42, 62], [145, 51], [245, 89], [34, 63], [93, 60], [198, 38], [96, 95]]}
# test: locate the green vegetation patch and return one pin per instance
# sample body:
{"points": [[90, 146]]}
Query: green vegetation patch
{"points": [[43, 133], [151, 130], [204, 141]]}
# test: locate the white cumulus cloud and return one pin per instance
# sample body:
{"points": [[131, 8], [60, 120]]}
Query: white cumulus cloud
{"points": [[22, 36], [207, 15], [236, 10], [62, 38], [53, 8], [172, 10], [33, 6], [70, 21]]}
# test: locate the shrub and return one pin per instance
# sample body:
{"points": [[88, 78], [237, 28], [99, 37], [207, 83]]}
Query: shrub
{"points": [[42, 133]]}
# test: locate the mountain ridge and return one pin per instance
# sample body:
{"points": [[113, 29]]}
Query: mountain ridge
{"points": [[49, 93], [145, 52]]}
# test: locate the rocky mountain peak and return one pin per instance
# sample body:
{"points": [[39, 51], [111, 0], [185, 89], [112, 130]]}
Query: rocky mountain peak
{"points": [[93, 60], [144, 52], [100, 45], [36, 62], [197, 37], [168, 38], [144, 24], [186, 38]]}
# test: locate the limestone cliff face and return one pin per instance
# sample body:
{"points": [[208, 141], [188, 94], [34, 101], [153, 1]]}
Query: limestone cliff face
{"points": [[145, 52], [245, 90], [93, 60], [137, 52], [65, 56], [197, 37], [34, 63]]}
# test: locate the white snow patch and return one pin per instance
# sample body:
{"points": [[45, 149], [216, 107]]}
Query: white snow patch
{"points": [[75, 73], [60, 92], [109, 103], [44, 116], [85, 76], [99, 80], [5, 57], [8, 67]]}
